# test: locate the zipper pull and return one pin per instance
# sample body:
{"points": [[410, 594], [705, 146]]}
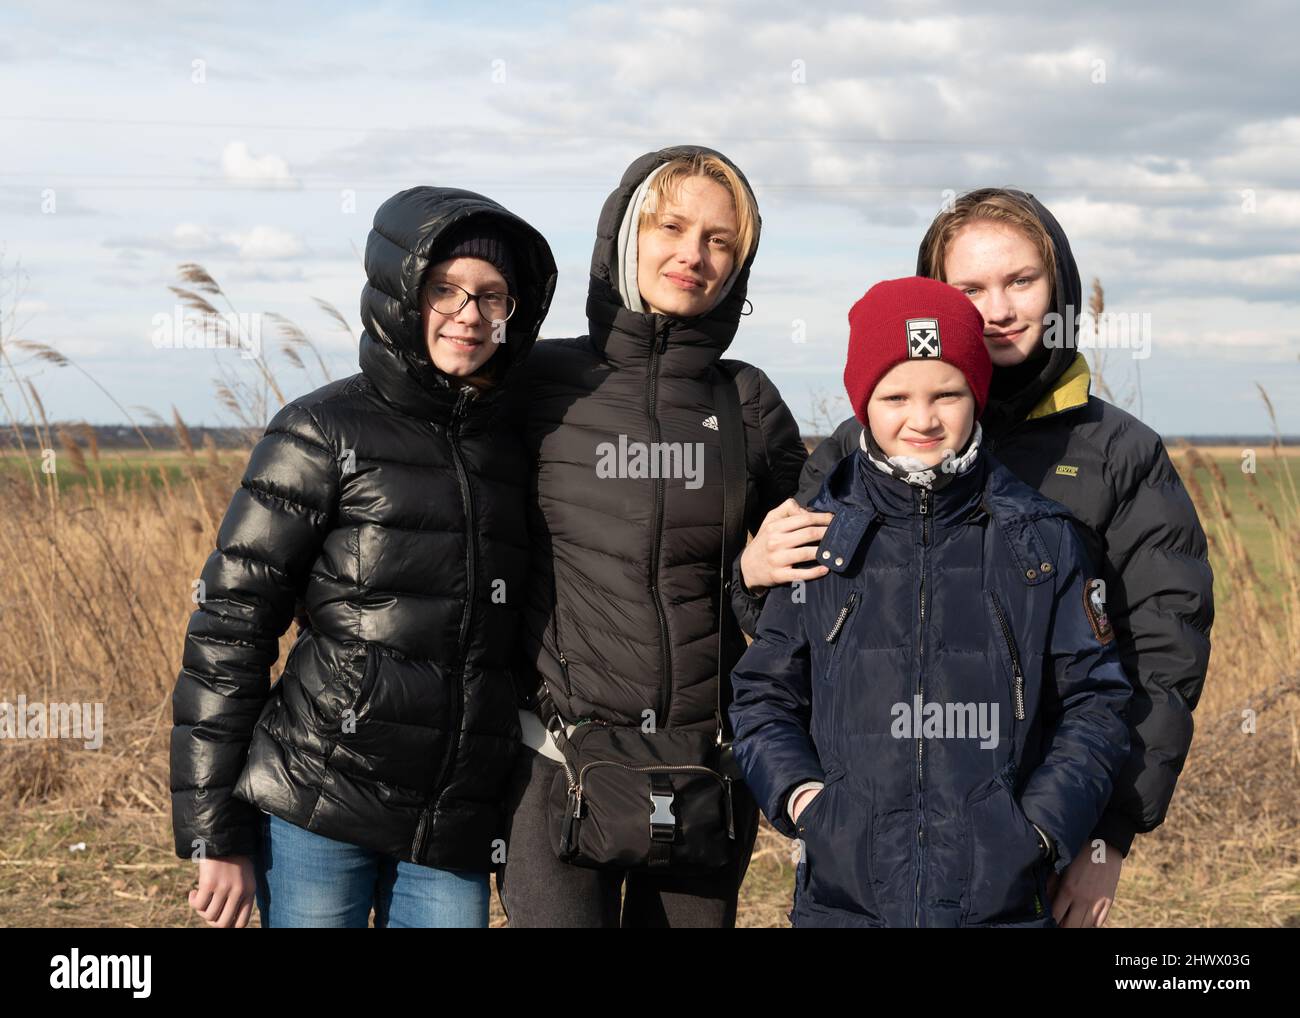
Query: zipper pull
{"points": [[845, 611], [566, 829], [925, 501], [1019, 677], [731, 826], [663, 337]]}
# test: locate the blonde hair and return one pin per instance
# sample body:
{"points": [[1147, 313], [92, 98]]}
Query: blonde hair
{"points": [[666, 187], [989, 205]]}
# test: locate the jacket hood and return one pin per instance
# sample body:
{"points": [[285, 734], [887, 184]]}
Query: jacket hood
{"points": [[1015, 391], [606, 312], [406, 231]]}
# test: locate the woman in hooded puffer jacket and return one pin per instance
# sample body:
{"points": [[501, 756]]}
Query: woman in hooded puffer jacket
{"points": [[391, 506], [623, 612]]}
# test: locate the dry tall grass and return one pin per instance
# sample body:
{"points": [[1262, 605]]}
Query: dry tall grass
{"points": [[98, 554], [95, 591], [1229, 850]]}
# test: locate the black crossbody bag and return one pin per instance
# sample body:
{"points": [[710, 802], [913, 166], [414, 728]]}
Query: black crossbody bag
{"points": [[635, 800]]}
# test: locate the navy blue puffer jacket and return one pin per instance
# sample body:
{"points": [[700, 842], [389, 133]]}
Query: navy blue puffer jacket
{"points": [[952, 685]]}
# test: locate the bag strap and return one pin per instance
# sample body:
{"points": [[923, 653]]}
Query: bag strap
{"points": [[735, 473]]}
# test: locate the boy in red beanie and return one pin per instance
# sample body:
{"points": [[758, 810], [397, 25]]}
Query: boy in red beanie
{"points": [[940, 718], [924, 341]]}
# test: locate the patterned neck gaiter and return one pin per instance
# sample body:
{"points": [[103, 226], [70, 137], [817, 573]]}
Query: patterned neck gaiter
{"points": [[912, 471]]}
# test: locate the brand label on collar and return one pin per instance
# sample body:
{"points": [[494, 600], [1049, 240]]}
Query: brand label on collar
{"points": [[1065, 470]]}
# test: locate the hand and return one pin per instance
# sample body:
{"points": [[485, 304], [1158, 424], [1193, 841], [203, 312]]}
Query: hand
{"points": [[789, 534], [1081, 899], [802, 801], [224, 897]]}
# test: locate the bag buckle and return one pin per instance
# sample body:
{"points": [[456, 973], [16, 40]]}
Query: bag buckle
{"points": [[663, 824]]}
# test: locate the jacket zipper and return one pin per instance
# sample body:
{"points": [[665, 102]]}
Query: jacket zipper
{"points": [[1018, 677], [559, 650], [652, 380], [457, 700], [564, 667], [924, 510], [845, 611]]}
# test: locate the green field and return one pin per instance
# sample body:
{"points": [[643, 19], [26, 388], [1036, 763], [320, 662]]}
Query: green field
{"points": [[132, 468], [1273, 485]]}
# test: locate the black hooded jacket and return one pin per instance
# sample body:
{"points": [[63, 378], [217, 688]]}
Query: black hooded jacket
{"points": [[623, 613], [392, 504], [1113, 473]]}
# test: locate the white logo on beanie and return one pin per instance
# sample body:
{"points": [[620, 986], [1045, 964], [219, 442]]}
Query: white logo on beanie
{"points": [[923, 337]]}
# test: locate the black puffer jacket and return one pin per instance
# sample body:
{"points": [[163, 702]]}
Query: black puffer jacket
{"points": [[623, 612], [393, 505], [1113, 473]]}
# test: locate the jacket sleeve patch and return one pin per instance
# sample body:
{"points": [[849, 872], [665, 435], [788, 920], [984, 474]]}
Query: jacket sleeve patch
{"points": [[1094, 606]]}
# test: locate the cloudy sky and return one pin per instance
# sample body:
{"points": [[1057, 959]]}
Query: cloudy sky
{"points": [[258, 139]]}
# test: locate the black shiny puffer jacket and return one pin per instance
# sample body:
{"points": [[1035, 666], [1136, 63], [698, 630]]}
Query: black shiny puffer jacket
{"points": [[391, 504]]}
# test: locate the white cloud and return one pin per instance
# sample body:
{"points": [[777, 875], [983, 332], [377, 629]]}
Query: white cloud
{"points": [[192, 237], [239, 163], [265, 242], [1075, 65], [257, 243]]}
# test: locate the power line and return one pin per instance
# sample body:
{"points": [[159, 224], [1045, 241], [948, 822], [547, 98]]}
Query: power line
{"points": [[380, 184], [653, 137]]}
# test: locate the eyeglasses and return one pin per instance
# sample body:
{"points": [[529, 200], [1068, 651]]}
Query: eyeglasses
{"points": [[448, 298]]}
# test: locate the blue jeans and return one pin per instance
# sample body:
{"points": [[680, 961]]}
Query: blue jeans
{"points": [[308, 880]]}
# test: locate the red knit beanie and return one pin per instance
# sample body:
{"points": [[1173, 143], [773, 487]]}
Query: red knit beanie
{"points": [[914, 319]]}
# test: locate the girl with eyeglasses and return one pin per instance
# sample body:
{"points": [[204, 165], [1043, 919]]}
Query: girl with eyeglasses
{"points": [[392, 505]]}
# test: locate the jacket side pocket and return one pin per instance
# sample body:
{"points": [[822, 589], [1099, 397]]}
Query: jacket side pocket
{"points": [[1004, 879], [835, 636], [369, 671]]}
